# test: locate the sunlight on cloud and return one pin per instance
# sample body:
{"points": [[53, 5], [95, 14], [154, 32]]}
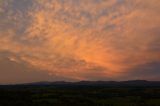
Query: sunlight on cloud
{"points": [[81, 39]]}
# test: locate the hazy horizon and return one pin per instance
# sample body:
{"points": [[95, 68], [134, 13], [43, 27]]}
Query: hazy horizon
{"points": [[43, 82], [74, 40]]}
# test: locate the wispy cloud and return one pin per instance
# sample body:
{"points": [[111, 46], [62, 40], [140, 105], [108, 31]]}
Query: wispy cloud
{"points": [[81, 39]]}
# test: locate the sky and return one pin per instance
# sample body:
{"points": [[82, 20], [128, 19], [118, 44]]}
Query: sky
{"points": [[74, 40]]}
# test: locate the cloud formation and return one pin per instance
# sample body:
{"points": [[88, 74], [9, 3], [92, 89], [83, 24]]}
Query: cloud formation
{"points": [[82, 39]]}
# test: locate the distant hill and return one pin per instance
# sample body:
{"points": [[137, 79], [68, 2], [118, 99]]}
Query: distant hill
{"points": [[130, 83]]}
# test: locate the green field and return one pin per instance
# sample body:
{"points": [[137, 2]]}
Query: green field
{"points": [[79, 96]]}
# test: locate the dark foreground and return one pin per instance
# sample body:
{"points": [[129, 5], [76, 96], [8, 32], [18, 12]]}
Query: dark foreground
{"points": [[36, 95]]}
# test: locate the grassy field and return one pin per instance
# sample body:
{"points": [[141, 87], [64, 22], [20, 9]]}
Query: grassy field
{"points": [[78, 96]]}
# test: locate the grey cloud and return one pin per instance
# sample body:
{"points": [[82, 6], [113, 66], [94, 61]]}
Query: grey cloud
{"points": [[150, 71]]}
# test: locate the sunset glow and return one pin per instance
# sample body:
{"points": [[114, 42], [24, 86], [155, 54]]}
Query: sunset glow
{"points": [[79, 40]]}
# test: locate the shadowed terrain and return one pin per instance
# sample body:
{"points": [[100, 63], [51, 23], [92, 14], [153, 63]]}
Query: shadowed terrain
{"points": [[84, 93]]}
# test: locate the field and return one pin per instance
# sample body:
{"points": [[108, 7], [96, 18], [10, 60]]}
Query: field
{"points": [[36, 95]]}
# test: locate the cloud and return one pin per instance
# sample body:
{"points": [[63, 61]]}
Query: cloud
{"points": [[13, 71], [81, 39], [150, 71]]}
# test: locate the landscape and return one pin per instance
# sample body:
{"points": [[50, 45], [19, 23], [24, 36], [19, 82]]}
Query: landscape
{"points": [[79, 52], [84, 93]]}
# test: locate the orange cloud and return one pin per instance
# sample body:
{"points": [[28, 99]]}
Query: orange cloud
{"points": [[81, 39]]}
